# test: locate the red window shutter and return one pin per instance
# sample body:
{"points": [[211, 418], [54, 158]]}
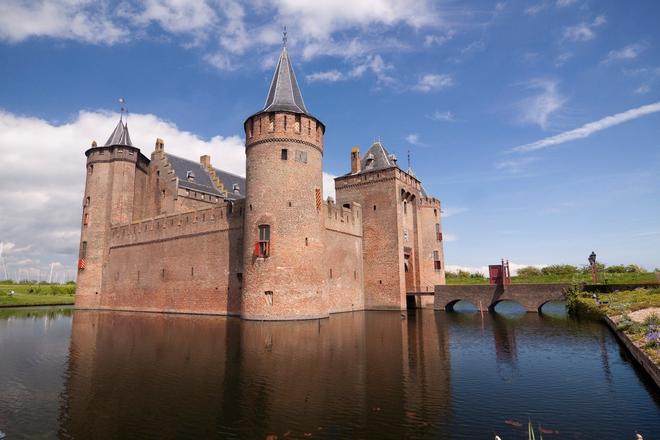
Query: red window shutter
{"points": [[257, 250], [82, 264]]}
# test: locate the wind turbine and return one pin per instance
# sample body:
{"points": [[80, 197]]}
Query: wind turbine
{"points": [[2, 259]]}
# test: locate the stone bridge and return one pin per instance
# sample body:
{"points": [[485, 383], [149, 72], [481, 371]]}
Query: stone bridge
{"points": [[485, 297]]}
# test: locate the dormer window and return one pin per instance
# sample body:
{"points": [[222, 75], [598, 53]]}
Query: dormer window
{"points": [[236, 188], [369, 161], [190, 176]]}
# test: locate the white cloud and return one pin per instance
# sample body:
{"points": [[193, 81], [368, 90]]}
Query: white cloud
{"points": [[438, 40], [513, 267], [329, 76], [377, 66], [538, 108], [584, 31], [450, 212], [82, 20], [564, 3], [433, 81], [175, 16], [448, 236], [643, 89], [629, 52], [329, 185], [443, 116], [536, 8], [320, 19], [44, 173], [220, 61], [413, 139], [515, 166], [563, 58], [590, 128]]}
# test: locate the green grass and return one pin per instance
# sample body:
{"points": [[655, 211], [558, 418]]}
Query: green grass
{"points": [[36, 294], [604, 278]]}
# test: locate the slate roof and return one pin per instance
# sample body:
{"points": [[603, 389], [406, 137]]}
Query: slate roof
{"points": [[284, 93], [378, 158], [202, 181], [119, 136]]}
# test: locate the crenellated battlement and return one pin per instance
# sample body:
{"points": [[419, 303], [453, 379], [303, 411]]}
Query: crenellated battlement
{"points": [[272, 126], [430, 202], [345, 218], [165, 227]]}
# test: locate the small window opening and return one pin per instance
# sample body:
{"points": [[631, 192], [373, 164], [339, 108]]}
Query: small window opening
{"points": [[405, 207], [301, 156], [86, 219], [162, 273], [296, 127], [330, 273], [284, 154], [438, 234], [306, 241], [380, 281], [271, 122], [374, 207], [436, 261], [268, 294], [285, 122], [83, 250], [262, 246], [290, 204], [192, 272], [90, 169], [158, 173], [355, 274], [250, 206]]}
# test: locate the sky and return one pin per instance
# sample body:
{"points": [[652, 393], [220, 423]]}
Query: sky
{"points": [[536, 123]]}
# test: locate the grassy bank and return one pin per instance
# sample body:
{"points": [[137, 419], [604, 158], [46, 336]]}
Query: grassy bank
{"points": [[36, 294], [632, 312], [605, 278]]}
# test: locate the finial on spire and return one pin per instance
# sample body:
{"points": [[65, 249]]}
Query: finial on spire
{"points": [[284, 38], [409, 160], [123, 109]]}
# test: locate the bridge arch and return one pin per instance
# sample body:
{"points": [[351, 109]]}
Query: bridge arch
{"points": [[512, 307], [471, 307], [554, 307]]}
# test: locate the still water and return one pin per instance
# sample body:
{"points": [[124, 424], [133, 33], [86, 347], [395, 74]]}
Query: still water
{"points": [[357, 375]]}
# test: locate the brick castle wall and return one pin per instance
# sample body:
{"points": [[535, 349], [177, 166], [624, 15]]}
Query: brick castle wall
{"points": [[343, 257]]}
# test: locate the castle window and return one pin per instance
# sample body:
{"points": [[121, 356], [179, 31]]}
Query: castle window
{"points": [[90, 169], [330, 273], [271, 122], [86, 203], [435, 212], [163, 193], [284, 154], [251, 129], [436, 261], [86, 219], [309, 128], [405, 207], [438, 234], [268, 294], [285, 122], [83, 250], [306, 241], [374, 207], [296, 126], [301, 156], [262, 246]]}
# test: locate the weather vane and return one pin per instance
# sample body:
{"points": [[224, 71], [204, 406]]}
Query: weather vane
{"points": [[123, 109], [284, 36]]}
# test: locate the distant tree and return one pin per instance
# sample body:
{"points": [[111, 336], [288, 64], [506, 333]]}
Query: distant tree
{"points": [[633, 268], [559, 269], [586, 269], [618, 268], [529, 271]]}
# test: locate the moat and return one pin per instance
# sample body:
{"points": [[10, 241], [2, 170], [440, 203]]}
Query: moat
{"points": [[85, 374]]}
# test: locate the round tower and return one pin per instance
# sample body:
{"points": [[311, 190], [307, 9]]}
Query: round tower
{"points": [[284, 276], [108, 200]]}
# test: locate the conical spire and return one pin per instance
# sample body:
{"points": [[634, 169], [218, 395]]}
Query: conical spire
{"points": [[284, 93], [120, 135]]}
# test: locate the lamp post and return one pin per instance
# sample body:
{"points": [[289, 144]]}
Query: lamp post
{"points": [[594, 267]]}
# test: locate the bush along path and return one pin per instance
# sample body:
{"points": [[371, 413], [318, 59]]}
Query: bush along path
{"points": [[633, 314]]}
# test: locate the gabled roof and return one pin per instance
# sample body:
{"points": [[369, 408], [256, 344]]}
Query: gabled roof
{"points": [[378, 158], [284, 93], [183, 168], [120, 136]]}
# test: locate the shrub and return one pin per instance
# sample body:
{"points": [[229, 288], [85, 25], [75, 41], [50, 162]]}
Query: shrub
{"points": [[529, 271], [559, 269]]}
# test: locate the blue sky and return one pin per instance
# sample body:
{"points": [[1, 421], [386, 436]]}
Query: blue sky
{"points": [[485, 95]]}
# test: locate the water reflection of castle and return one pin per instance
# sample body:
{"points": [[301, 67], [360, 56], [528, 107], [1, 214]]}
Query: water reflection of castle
{"points": [[182, 376]]}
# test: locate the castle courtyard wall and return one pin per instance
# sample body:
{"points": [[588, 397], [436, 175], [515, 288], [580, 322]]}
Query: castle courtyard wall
{"points": [[184, 263], [343, 257]]}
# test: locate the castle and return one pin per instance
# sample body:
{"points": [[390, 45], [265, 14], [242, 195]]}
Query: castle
{"points": [[167, 234]]}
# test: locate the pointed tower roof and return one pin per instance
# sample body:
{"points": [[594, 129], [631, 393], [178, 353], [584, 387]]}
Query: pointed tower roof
{"points": [[378, 158], [119, 136], [284, 93]]}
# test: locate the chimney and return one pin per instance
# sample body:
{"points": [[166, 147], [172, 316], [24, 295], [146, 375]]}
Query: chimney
{"points": [[356, 165], [160, 144], [205, 161]]}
